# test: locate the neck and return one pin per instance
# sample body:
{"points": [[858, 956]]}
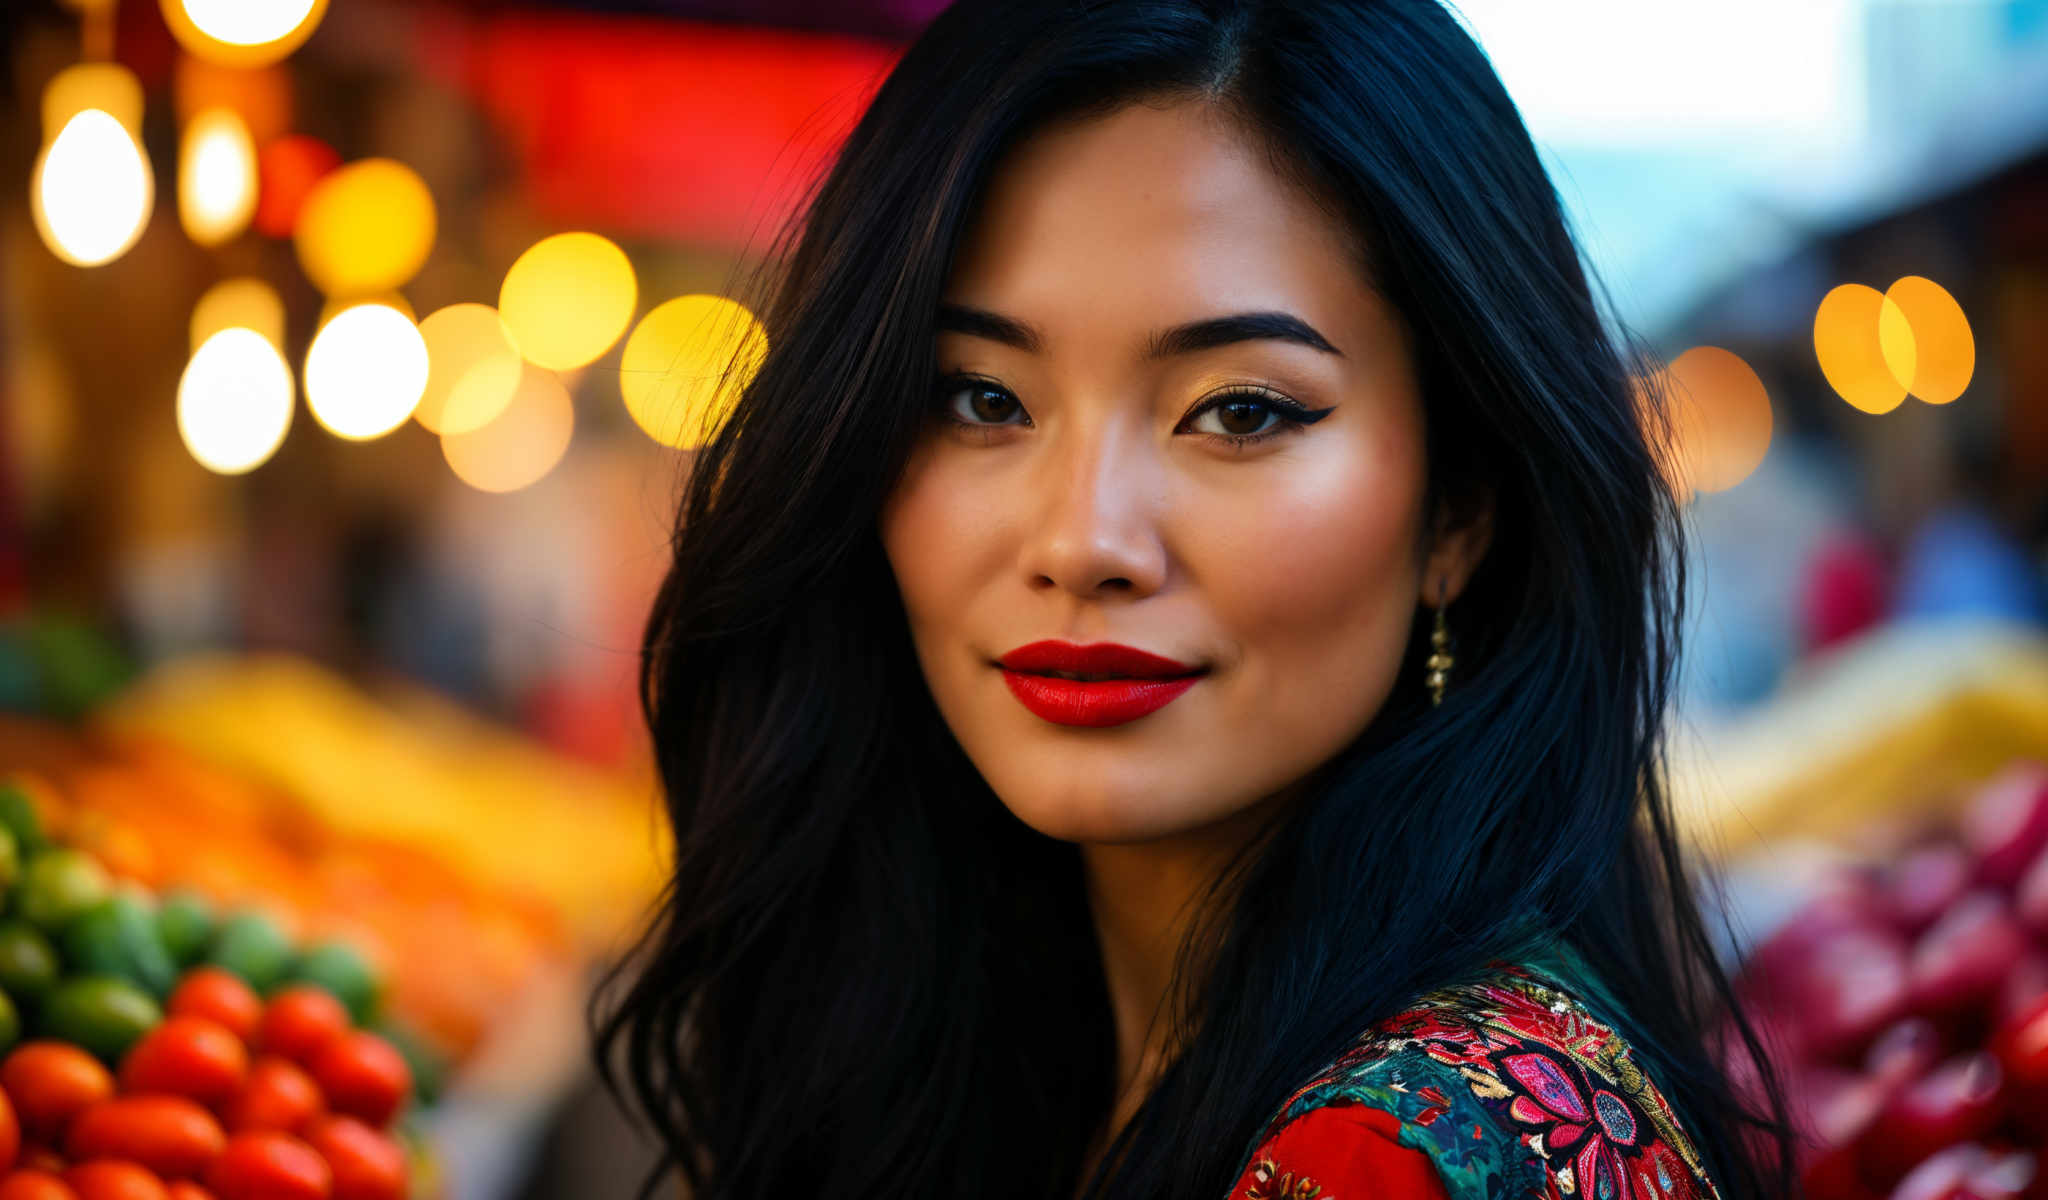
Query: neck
{"points": [[1144, 898]]}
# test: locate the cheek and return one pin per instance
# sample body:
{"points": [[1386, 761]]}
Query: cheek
{"points": [[1316, 582]]}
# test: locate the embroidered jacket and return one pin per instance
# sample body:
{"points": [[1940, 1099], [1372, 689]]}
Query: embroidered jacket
{"points": [[1507, 1088]]}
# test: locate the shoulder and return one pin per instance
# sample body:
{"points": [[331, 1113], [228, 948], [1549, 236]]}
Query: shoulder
{"points": [[1509, 1086]]}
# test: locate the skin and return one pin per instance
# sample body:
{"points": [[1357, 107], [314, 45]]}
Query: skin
{"points": [[1085, 505]]}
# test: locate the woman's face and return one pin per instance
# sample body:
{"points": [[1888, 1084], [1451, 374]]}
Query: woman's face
{"points": [[1094, 494]]}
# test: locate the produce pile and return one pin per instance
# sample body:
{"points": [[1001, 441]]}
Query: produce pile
{"points": [[1906, 1005], [154, 1048]]}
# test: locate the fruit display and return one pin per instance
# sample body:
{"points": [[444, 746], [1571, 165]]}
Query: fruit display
{"points": [[460, 860], [1905, 1002], [155, 1046]]}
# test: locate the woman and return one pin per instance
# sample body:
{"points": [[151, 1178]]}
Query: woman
{"points": [[1220, 355]]}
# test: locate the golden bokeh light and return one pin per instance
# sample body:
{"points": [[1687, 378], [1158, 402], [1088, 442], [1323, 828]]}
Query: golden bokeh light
{"points": [[1721, 418], [91, 190], [242, 33], [365, 228], [473, 368], [234, 401], [567, 299], [107, 86], [261, 96], [1849, 339], [365, 371], [246, 303], [673, 373], [525, 441], [334, 308], [216, 177], [1944, 354]]}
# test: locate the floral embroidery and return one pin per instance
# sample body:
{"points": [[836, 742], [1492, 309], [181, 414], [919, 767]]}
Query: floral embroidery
{"points": [[1513, 1088], [1270, 1183]]}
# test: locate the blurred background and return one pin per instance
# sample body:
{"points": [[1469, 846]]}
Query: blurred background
{"points": [[351, 352]]}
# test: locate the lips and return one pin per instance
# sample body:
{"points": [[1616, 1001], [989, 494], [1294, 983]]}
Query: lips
{"points": [[1117, 683], [1107, 660]]}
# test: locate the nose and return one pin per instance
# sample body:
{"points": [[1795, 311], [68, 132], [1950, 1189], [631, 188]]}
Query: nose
{"points": [[1096, 528]]}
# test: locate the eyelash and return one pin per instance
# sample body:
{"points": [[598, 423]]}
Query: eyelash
{"points": [[1293, 416]]}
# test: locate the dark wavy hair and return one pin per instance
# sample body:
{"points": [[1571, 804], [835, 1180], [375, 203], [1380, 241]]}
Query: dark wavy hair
{"points": [[865, 977]]}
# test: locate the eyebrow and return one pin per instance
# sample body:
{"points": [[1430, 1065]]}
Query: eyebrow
{"points": [[1195, 336]]}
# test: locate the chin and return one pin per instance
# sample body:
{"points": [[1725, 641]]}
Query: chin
{"points": [[1095, 811]]}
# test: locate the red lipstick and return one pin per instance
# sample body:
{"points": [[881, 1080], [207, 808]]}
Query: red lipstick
{"points": [[1121, 683]]}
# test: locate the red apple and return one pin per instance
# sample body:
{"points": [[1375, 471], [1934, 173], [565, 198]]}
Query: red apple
{"points": [[2006, 822], [1960, 1100], [1959, 963], [1903, 1052], [1925, 882]]}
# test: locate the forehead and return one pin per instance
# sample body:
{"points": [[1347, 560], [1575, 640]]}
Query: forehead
{"points": [[1120, 222]]}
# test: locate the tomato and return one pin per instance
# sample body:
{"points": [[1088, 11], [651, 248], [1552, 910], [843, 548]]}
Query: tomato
{"points": [[10, 1134], [41, 1158], [218, 995], [50, 1082], [269, 1166], [278, 1096], [185, 1189], [189, 1056], [299, 1022], [110, 1179], [366, 1164], [364, 1076], [35, 1185], [170, 1135]]}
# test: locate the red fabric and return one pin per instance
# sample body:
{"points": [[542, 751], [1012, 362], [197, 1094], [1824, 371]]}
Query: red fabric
{"points": [[1339, 1152]]}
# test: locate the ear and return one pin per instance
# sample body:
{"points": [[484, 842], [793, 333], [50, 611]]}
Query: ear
{"points": [[1457, 543]]}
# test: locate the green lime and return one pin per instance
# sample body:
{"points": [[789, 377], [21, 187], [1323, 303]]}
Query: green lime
{"points": [[118, 936], [28, 963], [18, 814], [10, 1024], [253, 946], [185, 922], [342, 969], [59, 884], [429, 1065], [10, 859], [101, 1013]]}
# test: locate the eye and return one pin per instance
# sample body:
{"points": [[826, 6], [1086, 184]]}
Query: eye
{"points": [[976, 403], [1247, 415]]}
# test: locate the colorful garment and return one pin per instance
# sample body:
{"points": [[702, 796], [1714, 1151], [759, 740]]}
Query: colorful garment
{"points": [[1507, 1088]]}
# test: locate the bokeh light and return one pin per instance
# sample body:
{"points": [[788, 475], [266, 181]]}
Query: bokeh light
{"points": [[1721, 418], [109, 87], [242, 33], [1848, 338], [248, 22], [261, 96], [234, 401], [672, 373], [336, 307], [289, 168], [473, 368], [245, 302], [365, 371], [365, 228], [567, 299], [216, 177], [523, 444], [91, 191], [1944, 352]]}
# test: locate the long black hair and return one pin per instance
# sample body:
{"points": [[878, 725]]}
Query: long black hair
{"points": [[866, 977]]}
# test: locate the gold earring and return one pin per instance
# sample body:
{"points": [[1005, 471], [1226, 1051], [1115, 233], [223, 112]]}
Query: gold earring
{"points": [[1440, 653]]}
